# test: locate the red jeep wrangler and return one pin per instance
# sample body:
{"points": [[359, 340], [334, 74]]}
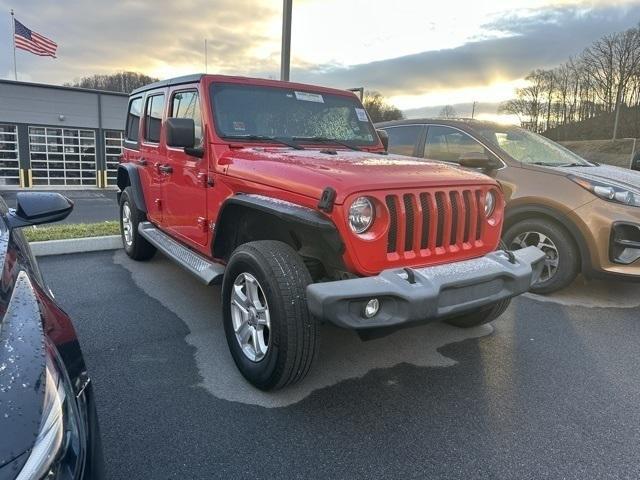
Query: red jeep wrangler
{"points": [[285, 194]]}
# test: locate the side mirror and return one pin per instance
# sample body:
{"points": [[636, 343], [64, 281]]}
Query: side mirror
{"points": [[635, 165], [180, 132], [35, 208], [478, 160], [384, 138]]}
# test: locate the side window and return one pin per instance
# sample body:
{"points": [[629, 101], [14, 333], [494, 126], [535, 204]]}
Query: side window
{"points": [[153, 118], [403, 140], [133, 119], [187, 105], [447, 144]]}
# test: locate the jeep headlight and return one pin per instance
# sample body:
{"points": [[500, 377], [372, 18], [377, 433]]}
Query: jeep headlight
{"points": [[58, 450], [489, 203], [361, 215], [609, 191]]}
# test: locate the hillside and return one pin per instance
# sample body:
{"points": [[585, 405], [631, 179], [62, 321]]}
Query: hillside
{"points": [[599, 128], [616, 153]]}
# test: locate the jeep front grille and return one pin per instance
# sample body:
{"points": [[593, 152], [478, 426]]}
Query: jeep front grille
{"points": [[424, 222]]}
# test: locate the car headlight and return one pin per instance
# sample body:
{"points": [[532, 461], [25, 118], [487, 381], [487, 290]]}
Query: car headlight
{"points": [[58, 451], [361, 214], [489, 203], [609, 191]]}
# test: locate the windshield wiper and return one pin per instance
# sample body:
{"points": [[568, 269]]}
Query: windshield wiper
{"points": [[547, 164], [267, 138], [320, 139]]}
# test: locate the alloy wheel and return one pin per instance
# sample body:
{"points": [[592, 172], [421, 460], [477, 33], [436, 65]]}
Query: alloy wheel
{"points": [[544, 243], [250, 317], [127, 225]]}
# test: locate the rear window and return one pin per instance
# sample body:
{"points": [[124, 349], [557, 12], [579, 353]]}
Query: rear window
{"points": [[403, 140], [153, 118], [133, 119]]}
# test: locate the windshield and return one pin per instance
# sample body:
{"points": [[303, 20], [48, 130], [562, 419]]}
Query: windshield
{"points": [[531, 148], [255, 111]]}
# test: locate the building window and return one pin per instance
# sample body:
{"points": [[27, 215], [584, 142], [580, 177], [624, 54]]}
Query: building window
{"points": [[9, 164], [62, 156], [112, 151]]}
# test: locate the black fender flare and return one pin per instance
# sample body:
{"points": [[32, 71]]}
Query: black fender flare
{"points": [[128, 175], [511, 214], [310, 223]]}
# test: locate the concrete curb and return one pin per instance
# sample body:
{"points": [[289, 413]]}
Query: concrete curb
{"points": [[76, 245]]}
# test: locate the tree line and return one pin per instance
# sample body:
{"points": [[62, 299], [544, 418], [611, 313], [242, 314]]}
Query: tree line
{"points": [[124, 82], [603, 79]]}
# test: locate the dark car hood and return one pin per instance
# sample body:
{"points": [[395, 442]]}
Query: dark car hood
{"points": [[621, 176], [309, 172], [21, 368]]}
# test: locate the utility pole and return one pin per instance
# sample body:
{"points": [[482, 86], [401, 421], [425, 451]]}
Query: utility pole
{"points": [[473, 110], [285, 54], [13, 39]]}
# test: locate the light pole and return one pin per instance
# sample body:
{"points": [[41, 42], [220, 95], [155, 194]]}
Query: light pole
{"points": [[285, 55]]}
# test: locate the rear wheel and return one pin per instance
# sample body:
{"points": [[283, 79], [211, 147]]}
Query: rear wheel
{"points": [[136, 246], [272, 338], [562, 261]]}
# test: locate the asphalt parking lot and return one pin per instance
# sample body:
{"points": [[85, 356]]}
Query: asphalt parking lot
{"points": [[551, 390]]}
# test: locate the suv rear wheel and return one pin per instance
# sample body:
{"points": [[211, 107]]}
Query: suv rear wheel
{"points": [[562, 261], [272, 338], [136, 246]]}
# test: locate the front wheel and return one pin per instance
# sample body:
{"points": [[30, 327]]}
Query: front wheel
{"points": [[480, 317], [562, 262], [271, 335]]}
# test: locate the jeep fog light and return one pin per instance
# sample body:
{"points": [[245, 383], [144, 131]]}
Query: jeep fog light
{"points": [[489, 203], [361, 214], [371, 308]]}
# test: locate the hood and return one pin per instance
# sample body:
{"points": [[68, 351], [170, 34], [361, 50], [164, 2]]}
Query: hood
{"points": [[621, 176], [309, 172]]}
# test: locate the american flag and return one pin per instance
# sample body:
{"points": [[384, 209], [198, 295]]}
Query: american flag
{"points": [[33, 42]]}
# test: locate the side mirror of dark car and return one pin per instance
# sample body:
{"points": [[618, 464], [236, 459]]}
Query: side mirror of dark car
{"points": [[35, 208], [478, 160], [384, 138]]}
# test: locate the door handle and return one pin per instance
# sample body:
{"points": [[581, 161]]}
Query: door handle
{"points": [[165, 169], [141, 161]]}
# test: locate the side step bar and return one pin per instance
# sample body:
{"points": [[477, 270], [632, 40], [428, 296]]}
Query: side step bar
{"points": [[207, 271]]}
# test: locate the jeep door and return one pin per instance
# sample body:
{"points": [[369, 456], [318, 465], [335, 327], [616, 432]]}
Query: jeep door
{"points": [[139, 154], [185, 186], [152, 155]]}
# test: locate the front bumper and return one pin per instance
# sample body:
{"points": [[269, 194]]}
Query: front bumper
{"points": [[435, 293]]}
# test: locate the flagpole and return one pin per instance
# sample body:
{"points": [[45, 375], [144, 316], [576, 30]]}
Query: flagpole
{"points": [[13, 26]]}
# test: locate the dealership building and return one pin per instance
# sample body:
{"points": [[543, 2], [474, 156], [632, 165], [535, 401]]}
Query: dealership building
{"points": [[53, 136]]}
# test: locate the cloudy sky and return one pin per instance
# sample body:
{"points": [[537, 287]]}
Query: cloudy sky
{"points": [[421, 54]]}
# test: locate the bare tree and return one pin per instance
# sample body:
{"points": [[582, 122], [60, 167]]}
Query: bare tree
{"points": [[448, 112]]}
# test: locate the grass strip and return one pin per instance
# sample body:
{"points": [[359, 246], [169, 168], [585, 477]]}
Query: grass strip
{"points": [[41, 233]]}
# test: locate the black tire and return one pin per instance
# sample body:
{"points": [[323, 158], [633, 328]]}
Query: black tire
{"points": [[480, 317], [293, 333], [568, 256], [138, 247]]}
